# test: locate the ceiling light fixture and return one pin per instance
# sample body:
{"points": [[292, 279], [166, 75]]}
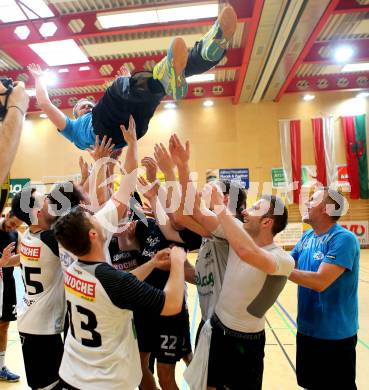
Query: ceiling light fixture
{"points": [[31, 92], [54, 53], [208, 103], [48, 29], [363, 94], [158, 15], [198, 78], [359, 67], [22, 32], [343, 53], [63, 70], [308, 97], [187, 12], [170, 105], [50, 78], [43, 116], [84, 68], [10, 11]]}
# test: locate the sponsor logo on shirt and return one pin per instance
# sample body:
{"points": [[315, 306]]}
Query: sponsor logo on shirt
{"points": [[31, 253], [318, 256], [152, 241], [312, 241], [126, 266], [203, 281], [66, 259], [81, 288]]}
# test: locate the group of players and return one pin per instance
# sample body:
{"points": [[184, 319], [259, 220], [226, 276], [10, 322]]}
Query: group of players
{"points": [[118, 266]]}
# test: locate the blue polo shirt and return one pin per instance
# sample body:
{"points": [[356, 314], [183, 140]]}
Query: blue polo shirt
{"points": [[333, 313], [80, 131]]}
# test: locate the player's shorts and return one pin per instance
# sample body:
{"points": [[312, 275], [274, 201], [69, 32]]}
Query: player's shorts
{"points": [[235, 358], [167, 337], [9, 297], [42, 355]]}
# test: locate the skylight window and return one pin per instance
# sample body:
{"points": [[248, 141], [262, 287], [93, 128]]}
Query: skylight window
{"points": [[53, 53], [158, 15], [189, 12], [359, 67], [198, 78], [11, 12]]}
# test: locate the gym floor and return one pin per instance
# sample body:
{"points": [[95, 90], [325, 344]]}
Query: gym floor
{"points": [[279, 372]]}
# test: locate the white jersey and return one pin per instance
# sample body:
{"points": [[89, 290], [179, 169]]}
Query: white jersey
{"points": [[101, 350], [248, 292], [42, 309]]}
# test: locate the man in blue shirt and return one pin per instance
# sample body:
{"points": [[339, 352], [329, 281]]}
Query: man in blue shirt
{"points": [[138, 96], [327, 272]]}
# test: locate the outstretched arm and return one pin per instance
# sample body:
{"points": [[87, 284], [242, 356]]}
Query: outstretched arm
{"points": [[98, 190], [204, 217], [56, 116], [129, 178], [240, 241], [11, 128]]}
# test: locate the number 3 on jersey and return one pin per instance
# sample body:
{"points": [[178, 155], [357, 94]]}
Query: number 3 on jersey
{"points": [[89, 325]]}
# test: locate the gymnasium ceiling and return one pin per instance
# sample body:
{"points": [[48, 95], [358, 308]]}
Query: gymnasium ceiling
{"points": [[280, 46]]}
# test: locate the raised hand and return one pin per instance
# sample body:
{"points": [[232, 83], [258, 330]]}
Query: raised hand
{"points": [[148, 190], [83, 166], [104, 149], [7, 254], [151, 168], [129, 134], [218, 198], [123, 71], [163, 159], [35, 70], [180, 153]]}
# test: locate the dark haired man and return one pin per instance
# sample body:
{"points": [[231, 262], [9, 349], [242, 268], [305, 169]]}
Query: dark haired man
{"points": [[140, 94], [42, 310], [257, 270], [327, 272], [8, 299]]}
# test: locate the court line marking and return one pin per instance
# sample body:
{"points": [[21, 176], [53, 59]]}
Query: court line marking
{"points": [[362, 342], [281, 346]]}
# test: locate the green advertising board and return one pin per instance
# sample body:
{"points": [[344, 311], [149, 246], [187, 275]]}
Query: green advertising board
{"points": [[16, 185], [278, 178]]}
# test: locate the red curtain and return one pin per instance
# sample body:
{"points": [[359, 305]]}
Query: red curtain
{"points": [[319, 151], [348, 123], [296, 157]]}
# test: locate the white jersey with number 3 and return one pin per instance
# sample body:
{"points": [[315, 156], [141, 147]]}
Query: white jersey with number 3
{"points": [[101, 350], [42, 310]]}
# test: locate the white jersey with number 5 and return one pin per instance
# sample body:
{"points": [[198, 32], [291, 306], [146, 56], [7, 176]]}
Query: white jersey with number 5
{"points": [[42, 310]]}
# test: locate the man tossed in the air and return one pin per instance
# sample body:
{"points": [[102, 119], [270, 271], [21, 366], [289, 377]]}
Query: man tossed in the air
{"points": [[140, 94]]}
